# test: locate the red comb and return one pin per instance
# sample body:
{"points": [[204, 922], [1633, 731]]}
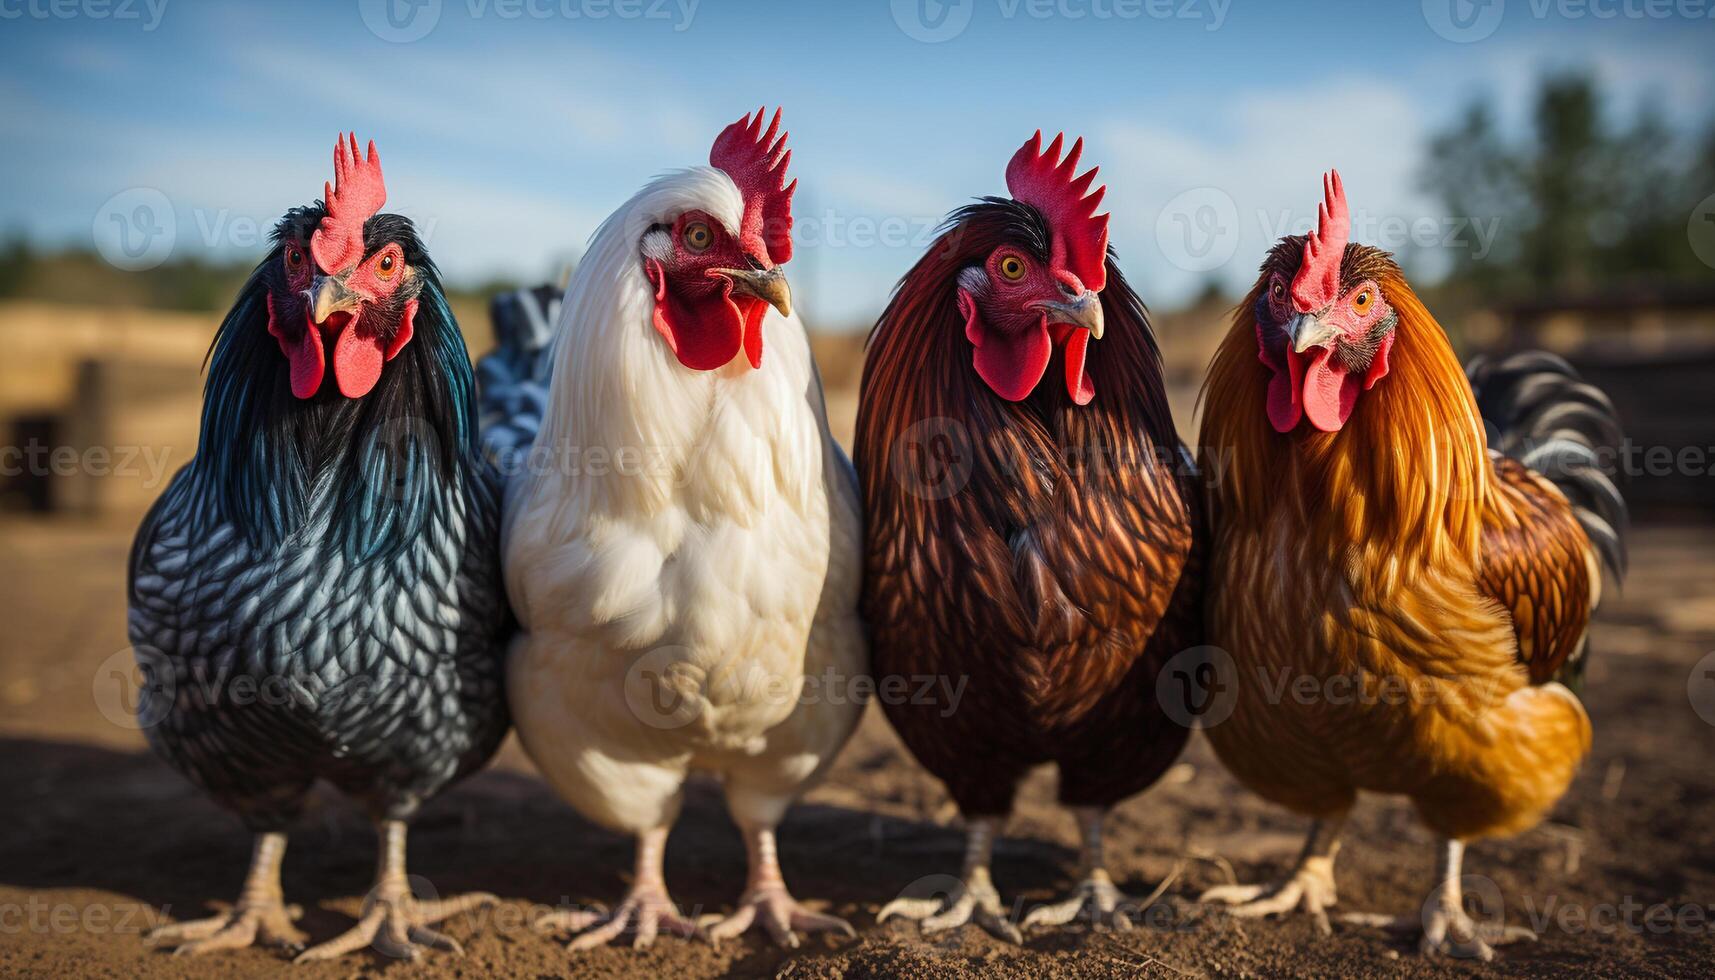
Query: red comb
{"points": [[1051, 185], [1318, 281], [353, 198], [756, 161]]}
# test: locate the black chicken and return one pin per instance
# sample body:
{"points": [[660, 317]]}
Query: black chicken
{"points": [[317, 594]]}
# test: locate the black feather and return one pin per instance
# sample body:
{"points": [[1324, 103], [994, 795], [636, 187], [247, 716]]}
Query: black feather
{"points": [[318, 592], [1541, 413]]}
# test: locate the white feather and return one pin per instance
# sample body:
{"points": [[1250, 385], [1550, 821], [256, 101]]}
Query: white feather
{"points": [[679, 534]]}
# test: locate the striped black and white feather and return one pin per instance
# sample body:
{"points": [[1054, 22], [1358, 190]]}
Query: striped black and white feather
{"points": [[1539, 411], [317, 594], [513, 378]]}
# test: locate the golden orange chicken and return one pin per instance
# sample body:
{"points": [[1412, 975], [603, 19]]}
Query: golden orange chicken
{"points": [[1433, 588]]}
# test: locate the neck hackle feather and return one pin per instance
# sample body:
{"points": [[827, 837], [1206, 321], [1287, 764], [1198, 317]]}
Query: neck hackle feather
{"points": [[376, 463], [1409, 468]]}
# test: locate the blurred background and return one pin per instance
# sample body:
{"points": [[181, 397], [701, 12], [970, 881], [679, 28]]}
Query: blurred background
{"points": [[1544, 170]]}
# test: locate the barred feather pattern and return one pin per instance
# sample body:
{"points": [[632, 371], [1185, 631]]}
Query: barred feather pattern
{"points": [[1055, 582], [1541, 413], [348, 624], [512, 379], [382, 677]]}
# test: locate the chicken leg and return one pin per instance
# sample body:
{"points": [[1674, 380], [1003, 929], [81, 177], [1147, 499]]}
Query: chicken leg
{"points": [[647, 908], [1310, 887], [1444, 925], [976, 898], [1107, 905], [259, 915], [767, 900], [393, 919]]}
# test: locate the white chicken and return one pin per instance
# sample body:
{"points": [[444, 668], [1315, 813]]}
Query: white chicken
{"points": [[682, 543]]}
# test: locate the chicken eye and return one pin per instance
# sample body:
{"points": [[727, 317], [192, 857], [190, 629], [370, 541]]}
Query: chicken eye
{"points": [[1277, 292], [1361, 302], [386, 266], [294, 258], [1012, 267], [698, 237]]}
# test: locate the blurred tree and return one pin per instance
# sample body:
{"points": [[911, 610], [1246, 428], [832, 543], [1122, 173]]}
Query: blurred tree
{"points": [[1582, 202], [16, 261]]}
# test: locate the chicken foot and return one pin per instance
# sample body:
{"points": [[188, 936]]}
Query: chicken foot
{"points": [[260, 915], [1310, 886], [975, 900], [1444, 926], [1096, 895], [767, 902], [646, 910], [393, 919]]}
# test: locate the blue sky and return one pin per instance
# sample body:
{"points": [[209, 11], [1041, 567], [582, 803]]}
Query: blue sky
{"points": [[511, 127]]}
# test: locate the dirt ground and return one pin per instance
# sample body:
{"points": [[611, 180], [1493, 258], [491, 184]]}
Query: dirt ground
{"points": [[98, 839]]}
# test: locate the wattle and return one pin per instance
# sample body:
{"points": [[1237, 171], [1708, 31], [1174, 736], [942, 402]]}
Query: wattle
{"points": [[357, 360], [1013, 364], [304, 357], [705, 333], [1313, 386]]}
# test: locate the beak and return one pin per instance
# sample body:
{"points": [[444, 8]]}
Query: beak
{"points": [[768, 285], [329, 295], [1307, 331], [1084, 311]]}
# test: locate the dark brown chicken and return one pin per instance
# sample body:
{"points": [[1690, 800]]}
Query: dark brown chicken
{"points": [[1031, 525]]}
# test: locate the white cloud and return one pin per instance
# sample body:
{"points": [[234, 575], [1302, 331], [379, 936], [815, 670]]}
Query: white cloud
{"points": [[1269, 163]]}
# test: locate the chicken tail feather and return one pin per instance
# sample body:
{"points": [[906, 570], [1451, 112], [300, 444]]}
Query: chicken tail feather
{"points": [[1542, 413], [512, 379]]}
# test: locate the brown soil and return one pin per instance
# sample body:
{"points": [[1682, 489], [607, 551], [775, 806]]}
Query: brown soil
{"points": [[98, 839]]}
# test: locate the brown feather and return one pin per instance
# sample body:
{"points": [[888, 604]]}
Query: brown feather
{"points": [[1057, 579], [1392, 555]]}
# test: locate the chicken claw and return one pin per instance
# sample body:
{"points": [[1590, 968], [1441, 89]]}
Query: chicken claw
{"points": [[975, 900], [1446, 932], [248, 923], [1445, 927], [779, 913], [646, 910], [1310, 887], [260, 914], [1108, 906], [398, 925], [393, 919]]}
